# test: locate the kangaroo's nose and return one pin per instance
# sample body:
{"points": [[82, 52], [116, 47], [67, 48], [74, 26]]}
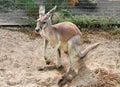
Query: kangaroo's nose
{"points": [[37, 30]]}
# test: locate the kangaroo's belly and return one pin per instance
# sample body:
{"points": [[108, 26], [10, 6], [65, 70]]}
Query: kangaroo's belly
{"points": [[64, 47]]}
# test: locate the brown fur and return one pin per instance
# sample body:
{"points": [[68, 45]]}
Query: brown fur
{"points": [[65, 30], [64, 36]]}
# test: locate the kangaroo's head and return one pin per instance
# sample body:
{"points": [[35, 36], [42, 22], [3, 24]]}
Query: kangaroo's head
{"points": [[44, 19]]}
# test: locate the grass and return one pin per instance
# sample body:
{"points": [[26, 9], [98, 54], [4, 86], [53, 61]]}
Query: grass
{"points": [[87, 21], [6, 4], [82, 22], [106, 79], [115, 31], [29, 6]]}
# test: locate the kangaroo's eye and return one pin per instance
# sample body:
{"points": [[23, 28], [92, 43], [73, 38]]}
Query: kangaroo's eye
{"points": [[44, 22]]}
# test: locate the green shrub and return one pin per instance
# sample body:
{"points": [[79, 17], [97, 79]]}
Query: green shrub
{"points": [[31, 22], [51, 3], [28, 5], [115, 31], [6, 4], [84, 21]]}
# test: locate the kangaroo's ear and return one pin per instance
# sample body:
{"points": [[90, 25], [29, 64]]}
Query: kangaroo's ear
{"points": [[51, 11], [41, 10]]}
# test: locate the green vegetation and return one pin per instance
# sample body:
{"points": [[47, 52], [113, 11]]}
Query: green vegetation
{"points": [[52, 3], [85, 21], [115, 31], [28, 5], [6, 4]]}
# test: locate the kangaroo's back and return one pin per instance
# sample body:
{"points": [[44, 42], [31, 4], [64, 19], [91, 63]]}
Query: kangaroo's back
{"points": [[66, 30]]}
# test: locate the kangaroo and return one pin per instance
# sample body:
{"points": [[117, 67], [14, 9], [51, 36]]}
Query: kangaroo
{"points": [[64, 36]]}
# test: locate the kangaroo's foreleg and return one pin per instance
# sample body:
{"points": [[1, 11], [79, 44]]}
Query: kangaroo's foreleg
{"points": [[58, 61], [45, 46]]}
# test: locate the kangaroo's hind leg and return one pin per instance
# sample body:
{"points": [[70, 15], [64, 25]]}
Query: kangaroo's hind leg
{"points": [[73, 43], [70, 74]]}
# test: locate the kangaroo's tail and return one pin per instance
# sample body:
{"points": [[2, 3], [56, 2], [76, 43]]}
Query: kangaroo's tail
{"points": [[89, 48]]}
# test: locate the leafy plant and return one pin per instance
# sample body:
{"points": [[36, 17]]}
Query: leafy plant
{"points": [[31, 22], [28, 5], [84, 21], [60, 4], [115, 31], [6, 4]]}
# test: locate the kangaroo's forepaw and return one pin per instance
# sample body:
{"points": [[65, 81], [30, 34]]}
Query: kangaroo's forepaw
{"points": [[41, 69], [59, 68], [45, 58], [48, 62]]}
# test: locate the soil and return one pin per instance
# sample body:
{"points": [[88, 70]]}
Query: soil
{"points": [[21, 57]]}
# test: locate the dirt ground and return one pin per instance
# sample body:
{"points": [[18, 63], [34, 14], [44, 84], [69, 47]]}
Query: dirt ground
{"points": [[20, 58]]}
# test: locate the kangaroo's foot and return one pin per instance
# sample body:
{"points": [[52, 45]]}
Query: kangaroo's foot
{"points": [[67, 78], [51, 67], [47, 67]]}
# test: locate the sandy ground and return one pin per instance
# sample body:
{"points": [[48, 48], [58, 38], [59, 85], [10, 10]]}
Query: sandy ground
{"points": [[20, 58]]}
